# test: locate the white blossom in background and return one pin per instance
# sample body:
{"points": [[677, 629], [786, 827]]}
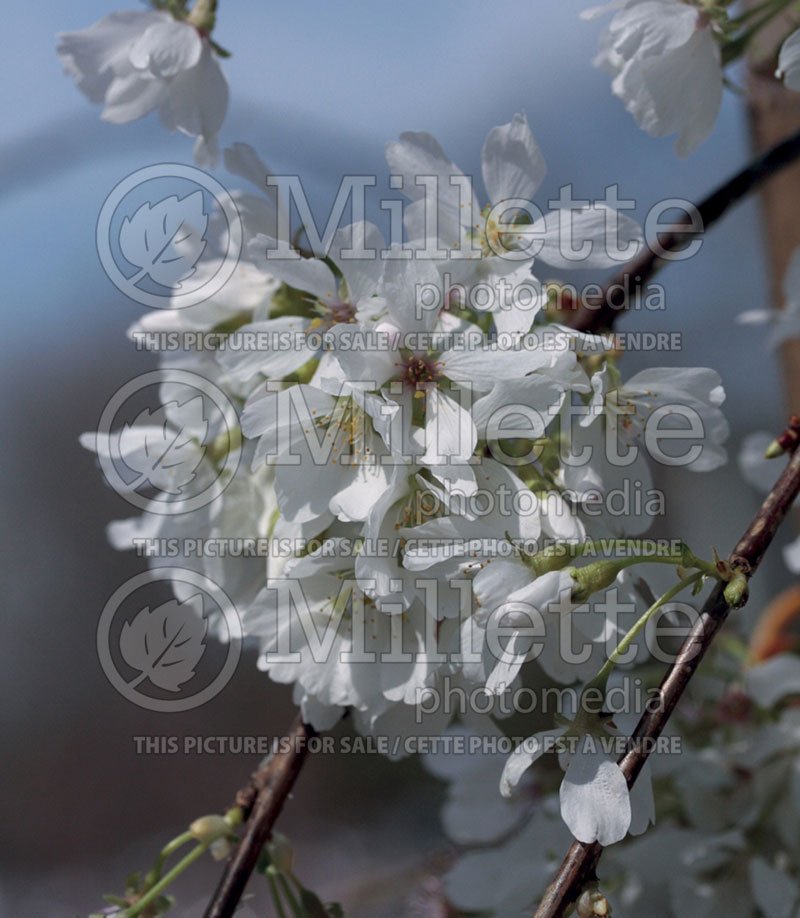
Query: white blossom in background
{"points": [[134, 62], [665, 63], [726, 845], [784, 323], [789, 62]]}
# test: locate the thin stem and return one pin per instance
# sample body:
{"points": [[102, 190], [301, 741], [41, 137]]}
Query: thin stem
{"points": [[294, 905], [602, 677], [578, 549], [648, 559], [556, 556], [276, 896], [155, 891], [170, 848]]}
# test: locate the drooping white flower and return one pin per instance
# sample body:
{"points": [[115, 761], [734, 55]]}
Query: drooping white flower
{"points": [[505, 880], [134, 62], [475, 813], [595, 801], [665, 62], [228, 540]]}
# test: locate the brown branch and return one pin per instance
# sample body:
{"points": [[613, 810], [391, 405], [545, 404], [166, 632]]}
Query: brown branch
{"points": [[579, 865], [261, 799], [598, 313]]}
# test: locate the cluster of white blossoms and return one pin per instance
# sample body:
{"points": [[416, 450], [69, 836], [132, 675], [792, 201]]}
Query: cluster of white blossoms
{"points": [[430, 471], [439, 483], [667, 59]]}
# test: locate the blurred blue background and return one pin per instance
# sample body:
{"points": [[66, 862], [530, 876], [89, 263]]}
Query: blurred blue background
{"points": [[317, 89]]}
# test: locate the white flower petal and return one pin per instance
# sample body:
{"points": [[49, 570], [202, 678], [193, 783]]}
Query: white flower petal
{"points": [[513, 165], [524, 756], [595, 803]]}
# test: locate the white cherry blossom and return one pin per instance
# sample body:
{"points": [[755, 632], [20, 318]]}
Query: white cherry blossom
{"points": [[665, 61], [134, 62]]}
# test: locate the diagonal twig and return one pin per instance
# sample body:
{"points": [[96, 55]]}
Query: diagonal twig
{"points": [[579, 865], [261, 800], [600, 312]]}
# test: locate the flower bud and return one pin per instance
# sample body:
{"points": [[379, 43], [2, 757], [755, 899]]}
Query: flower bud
{"points": [[785, 442], [737, 590], [208, 829], [593, 578], [591, 904]]}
